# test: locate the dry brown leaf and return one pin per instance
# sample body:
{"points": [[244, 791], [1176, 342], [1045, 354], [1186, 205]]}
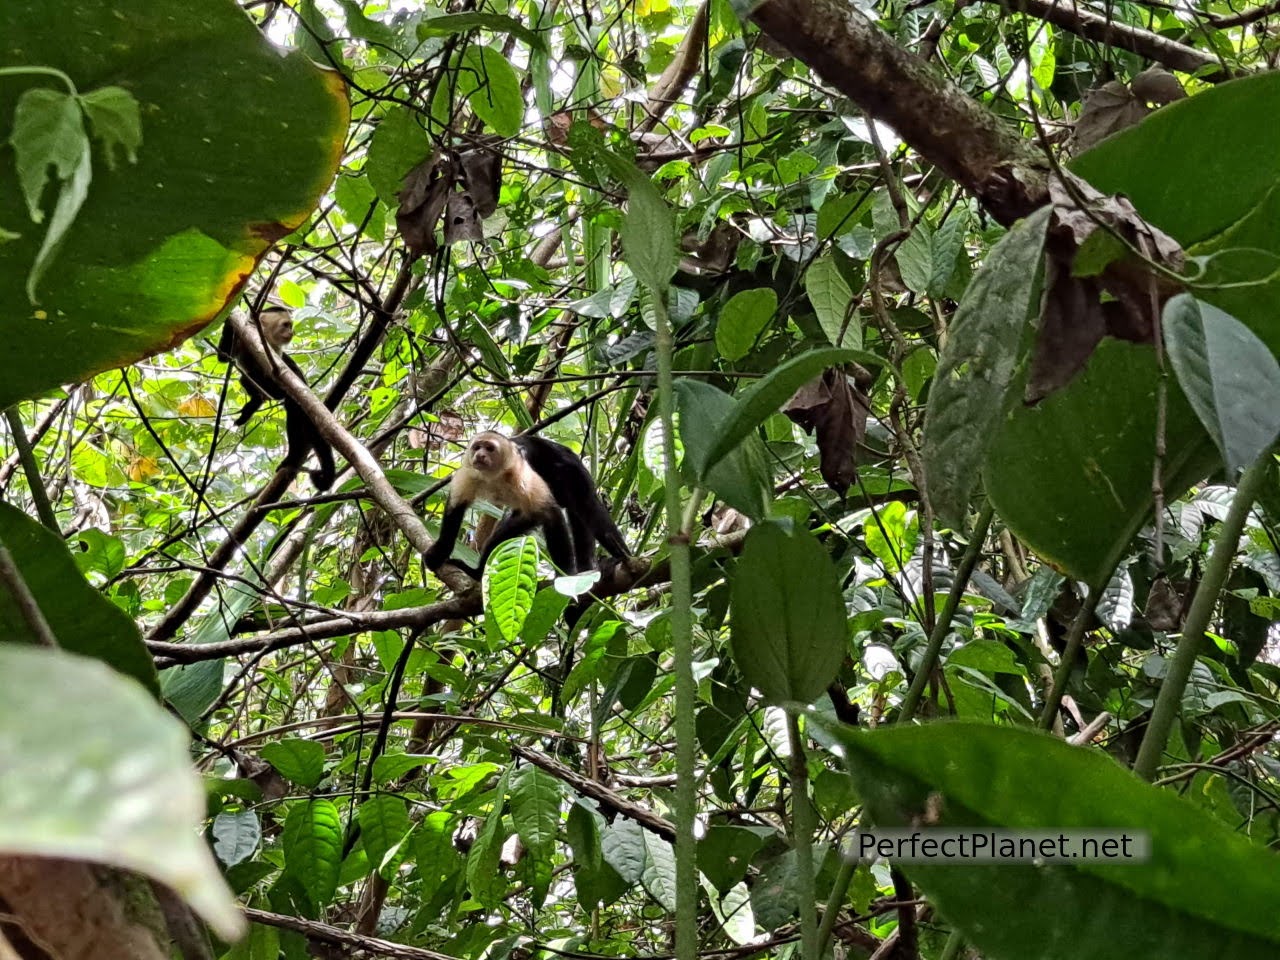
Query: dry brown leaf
{"points": [[835, 410]]}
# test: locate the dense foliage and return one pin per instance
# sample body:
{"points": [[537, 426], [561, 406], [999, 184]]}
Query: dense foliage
{"points": [[673, 237]]}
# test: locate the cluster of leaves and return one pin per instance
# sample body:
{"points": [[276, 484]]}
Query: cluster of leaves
{"points": [[386, 767]]}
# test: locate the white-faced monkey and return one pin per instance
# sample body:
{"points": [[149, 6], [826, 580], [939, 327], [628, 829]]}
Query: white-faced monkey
{"points": [[276, 324], [535, 479]]}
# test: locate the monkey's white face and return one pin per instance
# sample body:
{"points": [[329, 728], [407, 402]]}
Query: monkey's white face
{"points": [[486, 452], [277, 325]]}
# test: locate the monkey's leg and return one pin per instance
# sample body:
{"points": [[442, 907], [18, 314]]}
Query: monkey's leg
{"points": [[560, 546], [438, 555], [303, 437], [252, 405]]}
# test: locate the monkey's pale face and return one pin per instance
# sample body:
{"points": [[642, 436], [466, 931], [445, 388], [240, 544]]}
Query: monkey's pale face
{"points": [[277, 325], [486, 452]]}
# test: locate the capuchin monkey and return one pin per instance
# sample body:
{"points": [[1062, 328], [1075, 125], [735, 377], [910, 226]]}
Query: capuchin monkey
{"points": [[535, 480], [276, 324]]}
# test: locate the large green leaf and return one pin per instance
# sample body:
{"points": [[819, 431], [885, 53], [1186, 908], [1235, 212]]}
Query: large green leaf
{"points": [[238, 142], [789, 630], [1196, 166], [1206, 891], [82, 620], [1228, 374], [1072, 475], [977, 366], [94, 769], [313, 848]]}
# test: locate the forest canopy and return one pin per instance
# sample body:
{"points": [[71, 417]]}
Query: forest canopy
{"points": [[922, 354]]}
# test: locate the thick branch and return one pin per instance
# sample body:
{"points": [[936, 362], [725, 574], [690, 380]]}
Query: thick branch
{"points": [[963, 139], [1086, 23]]}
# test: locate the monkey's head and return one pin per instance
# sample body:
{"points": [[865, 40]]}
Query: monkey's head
{"points": [[488, 452], [277, 325]]}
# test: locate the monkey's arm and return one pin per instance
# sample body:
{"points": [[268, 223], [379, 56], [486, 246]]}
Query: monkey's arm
{"points": [[438, 555]]}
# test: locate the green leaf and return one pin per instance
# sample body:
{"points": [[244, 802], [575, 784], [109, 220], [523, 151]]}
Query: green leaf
{"points": [[915, 258], [757, 404], [510, 582], [948, 241], [300, 761], [649, 229], [1228, 374], [102, 775], [889, 537], [462, 22], [484, 876], [398, 145], [725, 852], [548, 605], [831, 297], [236, 836], [1072, 475], [235, 157], [116, 120], [384, 826], [1207, 891], [487, 81], [82, 620], [535, 808], [622, 845], [47, 132], [742, 319], [313, 848], [788, 629], [1197, 166], [978, 365], [742, 478], [595, 880]]}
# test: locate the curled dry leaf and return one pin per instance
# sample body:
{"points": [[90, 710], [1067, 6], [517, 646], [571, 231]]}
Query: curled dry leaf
{"points": [[1113, 106], [422, 197], [480, 175], [836, 410], [1164, 606], [1074, 317]]}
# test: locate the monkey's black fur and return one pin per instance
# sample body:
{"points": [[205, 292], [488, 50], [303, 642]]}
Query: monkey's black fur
{"points": [[260, 383], [541, 482]]}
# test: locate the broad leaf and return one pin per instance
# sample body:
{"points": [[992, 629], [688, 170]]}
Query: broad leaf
{"points": [[1228, 374], [384, 825], [742, 478], [104, 775], [313, 848], [742, 319], [301, 761], [831, 296], [788, 627], [159, 246], [82, 619], [486, 79], [976, 369], [510, 582], [1206, 891]]}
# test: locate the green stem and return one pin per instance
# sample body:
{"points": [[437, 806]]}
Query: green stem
{"points": [[848, 866], [802, 829], [942, 625], [682, 643], [1198, 617], [31, 469], [40, 72]]}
